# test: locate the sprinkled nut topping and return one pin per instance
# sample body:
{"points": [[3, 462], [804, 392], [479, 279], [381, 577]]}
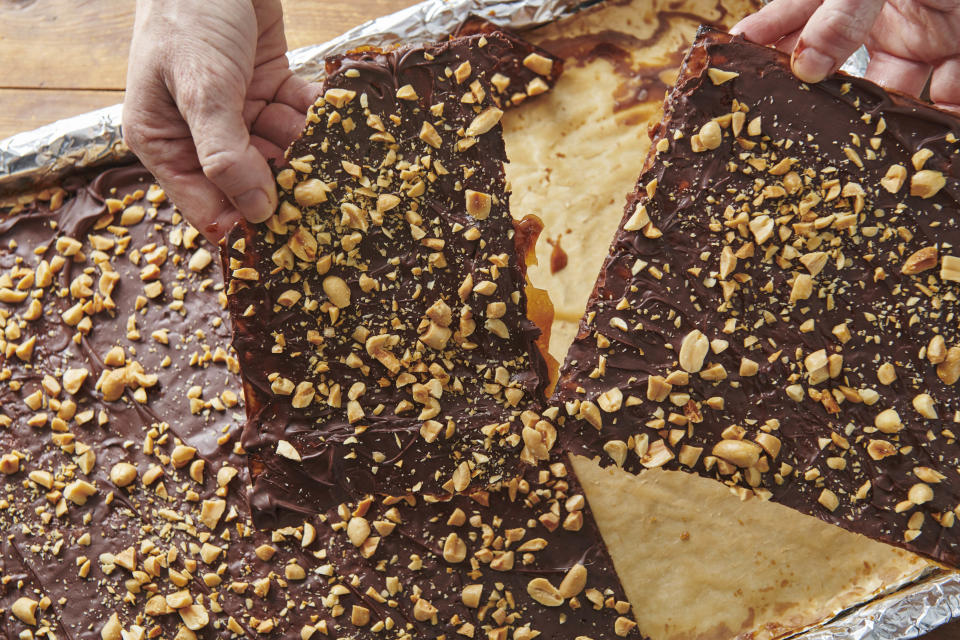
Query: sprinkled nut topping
{"points": [[123, 474], [545, 593], [693, 351], [788, 277], [25, 609]]}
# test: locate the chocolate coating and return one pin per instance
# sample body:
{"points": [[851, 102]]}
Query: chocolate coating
{"points": [[43, 554], [819, 237], [75, 435], [519, 515], [394, 265]]}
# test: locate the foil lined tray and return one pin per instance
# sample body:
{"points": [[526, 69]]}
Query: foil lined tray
{"points": [[39, 157]]}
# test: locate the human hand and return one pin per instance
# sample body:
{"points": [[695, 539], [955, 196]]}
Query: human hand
{"points": [[910, 41], [210, 97]]}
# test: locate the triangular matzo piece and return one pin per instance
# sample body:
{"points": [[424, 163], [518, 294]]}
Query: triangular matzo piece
{"points": [[393, 378], [702, 563], [380, 314], [778, 309], [572, 153]]}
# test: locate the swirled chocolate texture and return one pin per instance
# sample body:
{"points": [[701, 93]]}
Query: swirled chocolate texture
{"points": [[393, 379], [380, 314], [124, 505], [779, 307]]}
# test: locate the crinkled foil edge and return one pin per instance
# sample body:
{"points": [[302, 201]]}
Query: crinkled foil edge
{"points": [[36, 158], [911, 612]]}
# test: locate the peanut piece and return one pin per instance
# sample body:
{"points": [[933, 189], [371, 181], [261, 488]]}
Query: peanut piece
{"points": [[738, 452], [112, 630], [920, 261], [478, 204], [200, 260], [923, 403], [123, 474], [358, 530], [486, 120], [693, 350], [926, 183], [950, 269], [25, 609], [920, 493], [454, 549], [574, 581], [719, 76], [828, 499], [310, 192], [949, 370], [337, 290], [888, 421], [541, 590], [894, 178], [79, 491], [471, 595], [539, 64]]}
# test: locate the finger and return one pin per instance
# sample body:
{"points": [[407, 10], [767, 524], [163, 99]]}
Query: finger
{"points": [[200, 201], [279, 123], [788, 42], [898, 74], [269, 150], [945, 84], [252, 109], [835, 30], [274, 82], [298, 93], [233, 164], [946, 6], [776, 20], [213, 217]]}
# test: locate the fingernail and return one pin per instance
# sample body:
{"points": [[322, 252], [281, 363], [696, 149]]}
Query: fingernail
{"points": [[811, 65], [254, 205]]}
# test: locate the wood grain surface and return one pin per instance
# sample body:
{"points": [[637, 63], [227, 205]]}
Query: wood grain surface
{"points": [[60, 58]]}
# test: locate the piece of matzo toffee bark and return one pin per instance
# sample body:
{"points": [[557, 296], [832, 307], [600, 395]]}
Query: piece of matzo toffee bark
{"points": [[118, 417], [123, 501], [779, 307], [520, 560], [514, 552], [380, 314]]}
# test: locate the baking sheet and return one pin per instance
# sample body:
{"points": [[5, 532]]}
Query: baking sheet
{"points": [[43, 155]]}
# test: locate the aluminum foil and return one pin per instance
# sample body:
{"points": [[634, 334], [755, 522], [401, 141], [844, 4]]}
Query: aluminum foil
{"points": [[40, 156], [908, 613], [431, 21], [45, 154]]}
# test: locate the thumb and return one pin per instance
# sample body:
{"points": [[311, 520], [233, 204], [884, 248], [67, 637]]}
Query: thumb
{"points": [[233, 164], [835, 30]]}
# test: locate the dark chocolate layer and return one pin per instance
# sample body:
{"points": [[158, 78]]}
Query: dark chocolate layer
{"points": [[181, 528], [779, 307], [381, 315], [124, 490], [392, 374]]}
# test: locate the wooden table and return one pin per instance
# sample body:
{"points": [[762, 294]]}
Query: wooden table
{"points": [[61, 58]]}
